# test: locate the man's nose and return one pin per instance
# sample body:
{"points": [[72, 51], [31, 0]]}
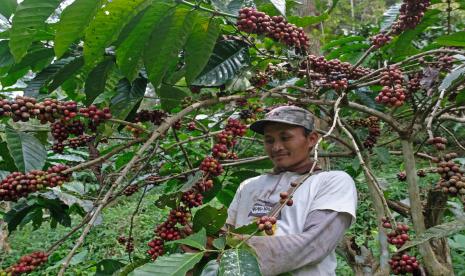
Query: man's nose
{"points": [[277, 146]]}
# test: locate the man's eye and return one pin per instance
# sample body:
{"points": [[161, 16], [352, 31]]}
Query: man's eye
{"points": [[285, 138], [269, 141]]}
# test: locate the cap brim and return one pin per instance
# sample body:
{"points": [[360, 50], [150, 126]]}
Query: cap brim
{"points": [[259, 125]]}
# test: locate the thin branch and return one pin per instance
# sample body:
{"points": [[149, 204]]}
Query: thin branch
{"points": [[433, 113], [189, 164], [365, 55], [453, 137], [131, 225], [122, 122], [102, 158]]}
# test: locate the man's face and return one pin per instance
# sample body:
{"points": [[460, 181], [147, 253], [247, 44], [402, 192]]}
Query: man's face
{"points": [[286, 145]]}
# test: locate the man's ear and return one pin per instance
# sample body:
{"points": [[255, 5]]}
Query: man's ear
{"points": [[313, 138]]}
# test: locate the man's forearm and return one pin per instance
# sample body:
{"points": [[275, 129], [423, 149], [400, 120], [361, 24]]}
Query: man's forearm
{"points": [[279, 254]]}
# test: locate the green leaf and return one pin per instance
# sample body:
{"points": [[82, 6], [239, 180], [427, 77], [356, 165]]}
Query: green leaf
{"points": [[73, 21], [27, 152], [456, 39], [106, 26], [199, 46], [460, 99], [383, 154], [210, 269], [228, 6], [227, 59], [129, 52], [68, 70], [6, 59], [453, 78], [127, 96], [45, 76], [226, 194], [166, 42], [107, 267], [171, 265], [219, 243], [191, 181], [36, 59], [246, 229], [7, 7], [95, 82], [210, 218], [7, 163], [305, 21], [239, 262], [435, 232], [342, 41], [169, 200], [15, 216], [197, 240], [29, 18], [280, 5], [170, 96]]}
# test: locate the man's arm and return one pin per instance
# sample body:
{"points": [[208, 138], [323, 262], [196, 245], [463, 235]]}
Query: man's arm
{"points": [[279, 254]]}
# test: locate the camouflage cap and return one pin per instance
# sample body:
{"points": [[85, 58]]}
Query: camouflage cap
{"points": [[292, 115]]}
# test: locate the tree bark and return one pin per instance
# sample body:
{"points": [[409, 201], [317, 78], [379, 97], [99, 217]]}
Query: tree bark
{"points": [[432, 264]]}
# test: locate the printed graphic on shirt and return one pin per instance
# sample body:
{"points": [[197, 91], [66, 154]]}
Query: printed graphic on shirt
{"points": [[261, 208]]}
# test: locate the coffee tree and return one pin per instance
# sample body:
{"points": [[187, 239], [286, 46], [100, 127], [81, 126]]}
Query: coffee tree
{"points": [[157, 96]]}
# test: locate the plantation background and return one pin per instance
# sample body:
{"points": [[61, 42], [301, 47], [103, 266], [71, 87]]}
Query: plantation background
{"points": [[95, 66]]}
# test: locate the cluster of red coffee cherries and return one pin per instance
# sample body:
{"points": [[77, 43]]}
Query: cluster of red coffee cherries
{"points": [[403, 264], [438, 142], [130, 190], [25, 108], [380, 40], [192, 198], [156, 248], [128, 243], [374, 130], [265, 223], [95, 115], [26, 264], [330, 73], [17, 184], [411, 13], [392, 93], [73, 143], [154, 116], [452, 180], [397, 236], [275, 27]]}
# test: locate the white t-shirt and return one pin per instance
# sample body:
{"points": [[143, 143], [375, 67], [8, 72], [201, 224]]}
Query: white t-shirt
{"points": [[331, 190]]}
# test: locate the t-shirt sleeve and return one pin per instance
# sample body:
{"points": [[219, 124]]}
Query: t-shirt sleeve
{"points": [[336, 192]]}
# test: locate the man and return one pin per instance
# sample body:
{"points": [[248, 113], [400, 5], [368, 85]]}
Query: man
{"points": [[306, 233]]}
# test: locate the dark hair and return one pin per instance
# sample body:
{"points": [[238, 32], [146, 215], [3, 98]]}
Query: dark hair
{"points": [[307, 132]]}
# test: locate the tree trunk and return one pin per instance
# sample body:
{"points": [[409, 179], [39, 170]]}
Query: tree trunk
{"points": [[431, 258], [308, 9]]}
